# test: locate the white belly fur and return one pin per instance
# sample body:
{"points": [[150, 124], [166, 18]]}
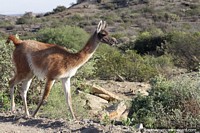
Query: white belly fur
{"points": [[69, 73]]}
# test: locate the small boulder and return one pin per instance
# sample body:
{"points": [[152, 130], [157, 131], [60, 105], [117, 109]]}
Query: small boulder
{"points": [[93, 102], [115, 111]]}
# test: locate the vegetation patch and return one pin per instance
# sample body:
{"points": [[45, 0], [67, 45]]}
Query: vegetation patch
{"points": [[70, 37], [170, 104]]}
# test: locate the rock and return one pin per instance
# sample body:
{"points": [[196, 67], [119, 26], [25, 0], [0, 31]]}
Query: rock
{"points": [[119, 78], [93, 102], [140, 127], [104, 96], [142, 89], [115, 111], [90, 130], [99, 90], [142, 92], [124, 115]]}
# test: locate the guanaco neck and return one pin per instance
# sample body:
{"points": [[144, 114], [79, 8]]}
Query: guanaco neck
{"points": [[90, 47]]}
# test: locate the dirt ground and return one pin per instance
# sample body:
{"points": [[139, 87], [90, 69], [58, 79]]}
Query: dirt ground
{"points": [[15, 123], [126, 90], [12, 124]]}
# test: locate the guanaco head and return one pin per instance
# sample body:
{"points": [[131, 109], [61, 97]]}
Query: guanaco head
{"points": [[103, 35]]}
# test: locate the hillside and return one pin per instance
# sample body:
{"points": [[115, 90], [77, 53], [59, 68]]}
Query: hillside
{"points": [[124, 18]]}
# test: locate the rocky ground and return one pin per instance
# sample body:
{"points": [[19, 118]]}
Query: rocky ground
{"points": [[10, 123], [13, 124], [16, 123]]}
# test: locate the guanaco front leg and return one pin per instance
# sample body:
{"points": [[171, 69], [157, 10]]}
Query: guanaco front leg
{"points": [[12, 89], [48, 87], [66, 87]]}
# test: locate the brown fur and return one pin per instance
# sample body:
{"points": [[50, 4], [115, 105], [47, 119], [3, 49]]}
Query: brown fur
{"points": [[14, 39]]}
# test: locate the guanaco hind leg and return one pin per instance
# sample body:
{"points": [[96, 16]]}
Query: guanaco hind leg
{"points": [[46, 92], [26, 81]]}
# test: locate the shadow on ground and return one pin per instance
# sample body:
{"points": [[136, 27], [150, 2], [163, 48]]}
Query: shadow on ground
{"points": [[45, 123]]}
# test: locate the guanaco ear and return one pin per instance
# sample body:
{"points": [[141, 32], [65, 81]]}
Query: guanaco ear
{"points": [[104, 25], [99, 27]]}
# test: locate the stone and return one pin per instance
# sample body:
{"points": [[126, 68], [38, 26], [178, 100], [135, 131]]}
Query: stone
{"points": [[99, 90], [124, 115], [104, 96], [115, 111], [93, 102]]}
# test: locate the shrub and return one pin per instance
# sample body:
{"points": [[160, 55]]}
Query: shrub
{"points": [[5, 64], [87, 71], [195, 10], [110, 18], [184, 48], [67, 36], [171, 104], [5, 68], [76, 19], [6, 23], [56, 10], [59, 9], [166, 17], [130, 65], [148, 42], [27, 18], [110, 6], [108, 65], [22, 21]]}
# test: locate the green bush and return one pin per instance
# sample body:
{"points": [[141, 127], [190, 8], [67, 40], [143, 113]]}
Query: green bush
{"points": [[22, 21], [194, 10], [27, 18], [149, 42], [6, 70], [166, 17], [67, 36], [56, 10], [76, 20], [59, 9], [6, 23], [5, 64], [130, 65], [87, 71], [184, 48], [171, 104], [109, 63]]}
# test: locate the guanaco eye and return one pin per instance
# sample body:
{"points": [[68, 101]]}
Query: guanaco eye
{"points": [[103, 33]]}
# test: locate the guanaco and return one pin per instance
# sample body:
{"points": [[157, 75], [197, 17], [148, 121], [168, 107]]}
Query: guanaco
{"points": [[52, 62]]}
